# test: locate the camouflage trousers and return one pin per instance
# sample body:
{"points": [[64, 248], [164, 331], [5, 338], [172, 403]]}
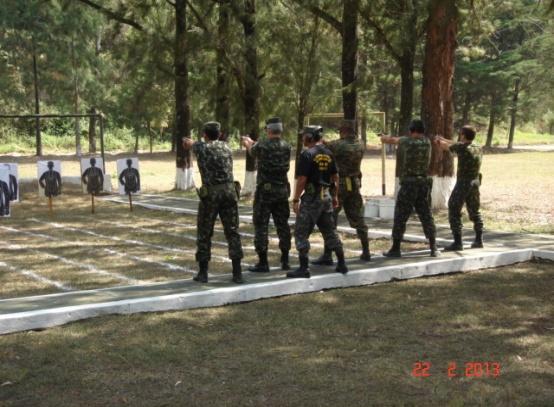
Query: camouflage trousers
{"points": [[315, 211], [414, 195], [274, 204], [353, 205], [221, 200], [465, 192]]}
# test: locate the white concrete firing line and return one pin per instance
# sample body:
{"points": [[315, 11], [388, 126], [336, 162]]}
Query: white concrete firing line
{"points": [[170, 266], [35, 276], [85, 266], [126, 241]]}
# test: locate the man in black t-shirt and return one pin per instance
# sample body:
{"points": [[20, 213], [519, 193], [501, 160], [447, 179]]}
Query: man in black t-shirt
{"points": [[313, 203]]}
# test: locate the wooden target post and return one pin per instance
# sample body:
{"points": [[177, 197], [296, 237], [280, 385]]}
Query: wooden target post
{"points": [[50, 206], [130, 202], [93, 209]]}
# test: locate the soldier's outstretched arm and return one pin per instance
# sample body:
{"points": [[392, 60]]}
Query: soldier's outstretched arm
{"points": [[443, 143], [187, 143], [388, 139]]}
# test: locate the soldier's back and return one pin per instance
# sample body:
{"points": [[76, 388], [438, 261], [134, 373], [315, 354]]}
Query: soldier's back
{"points": [[273, 160], [215, 162], [416, 156], [348, 154]]}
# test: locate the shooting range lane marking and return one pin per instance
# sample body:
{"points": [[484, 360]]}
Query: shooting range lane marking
{"points": [[35, 276], [85, 266], [147, 260], [177, 235], [126, 241]]}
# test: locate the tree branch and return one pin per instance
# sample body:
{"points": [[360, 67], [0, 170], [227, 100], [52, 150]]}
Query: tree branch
{"points": [[380, 33], [325, 16], [198, 17], [112, 15]]}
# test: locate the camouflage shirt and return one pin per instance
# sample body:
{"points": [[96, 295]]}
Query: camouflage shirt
{"points": [[416, 154], [470, 157], [215, 161], [273, 160], [348, 154]]}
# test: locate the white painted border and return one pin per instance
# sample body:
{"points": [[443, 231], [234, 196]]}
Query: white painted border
{"points": [[235, 294]]}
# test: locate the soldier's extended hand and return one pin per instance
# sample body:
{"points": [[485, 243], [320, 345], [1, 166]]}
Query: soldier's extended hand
{"points": [[295, 206], [246, 141], [335, 202]]}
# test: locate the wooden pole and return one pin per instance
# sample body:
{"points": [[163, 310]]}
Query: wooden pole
{"points": [[101, 120], [131, 202], [92, 202], [383, 160], [50, 206]]}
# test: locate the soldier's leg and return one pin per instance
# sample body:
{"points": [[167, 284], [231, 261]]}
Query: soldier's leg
{"points": [[326, 259], [303, 228], [280, 210], [229, 215], [327, 227], [422, 206], [455, 205], [207, 212], [473, 204], [354, 208], [402, 211], [262, 211]]}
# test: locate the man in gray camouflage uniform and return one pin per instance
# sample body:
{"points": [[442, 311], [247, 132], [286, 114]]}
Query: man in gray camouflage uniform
{"points": [[218, 196], [272, 192], [313, 202], [415, 187]]}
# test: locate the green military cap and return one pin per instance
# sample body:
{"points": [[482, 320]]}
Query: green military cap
{"points": [[212, 126], [274, 124], [315, 132]]}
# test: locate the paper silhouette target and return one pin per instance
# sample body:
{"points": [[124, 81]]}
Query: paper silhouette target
{"points": [[128, 176], [13, 184], [49, 178], [5, 195], [92, 175]]}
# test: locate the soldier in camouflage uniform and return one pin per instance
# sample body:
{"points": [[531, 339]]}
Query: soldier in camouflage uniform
{"points": [[313, 202], [466, 190], [348, 152], [272, 192], [218, 196], [415, 187]]}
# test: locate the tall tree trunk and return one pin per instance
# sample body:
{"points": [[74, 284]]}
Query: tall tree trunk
{"points": [[466, 107], [406, 91], [37, 102], [251, 84], [137, 136], [92, 131], [492, 120], [76, 100], [349, 57], [222, 106], [182, 111], [513, 114], [437, 91]]}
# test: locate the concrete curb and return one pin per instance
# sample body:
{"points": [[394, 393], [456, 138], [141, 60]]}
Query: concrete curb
{"points": [[44, 318]]}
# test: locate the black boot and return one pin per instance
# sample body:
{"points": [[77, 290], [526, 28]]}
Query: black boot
{"points": [[202, 275], [262, 266], [457, 245], [433, 247], [478, 242], [366, 255], [394, 251], [326, 259], [237, 272], [285, 260], [341, 264], [302, 271]]}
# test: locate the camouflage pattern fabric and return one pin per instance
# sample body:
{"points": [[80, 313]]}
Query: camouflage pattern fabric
{"points": [[220, 200], [416, 156], [215, 162], [218, 196], [348, 154], [470, 157], [465, 191], [272, 192], [315, 210], [273, 160], [353, 205], [399, 161], [275, 203], [412, 195], [93, 177]]}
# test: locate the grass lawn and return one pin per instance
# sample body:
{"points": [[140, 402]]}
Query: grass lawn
{"points": [[344, 347]]}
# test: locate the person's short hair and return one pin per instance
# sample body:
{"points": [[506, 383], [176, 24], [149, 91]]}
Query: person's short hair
{"points": [[315, 133], [274, 125], [468, 132], [417, 126], [212, 130]]}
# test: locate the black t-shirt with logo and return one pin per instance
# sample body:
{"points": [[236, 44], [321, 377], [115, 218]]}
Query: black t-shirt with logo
{"points": [[318, 165]]}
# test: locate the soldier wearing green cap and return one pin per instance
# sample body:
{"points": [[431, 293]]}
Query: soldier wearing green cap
{"points": [[348, 152], [272, 192], [218, 196]]}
